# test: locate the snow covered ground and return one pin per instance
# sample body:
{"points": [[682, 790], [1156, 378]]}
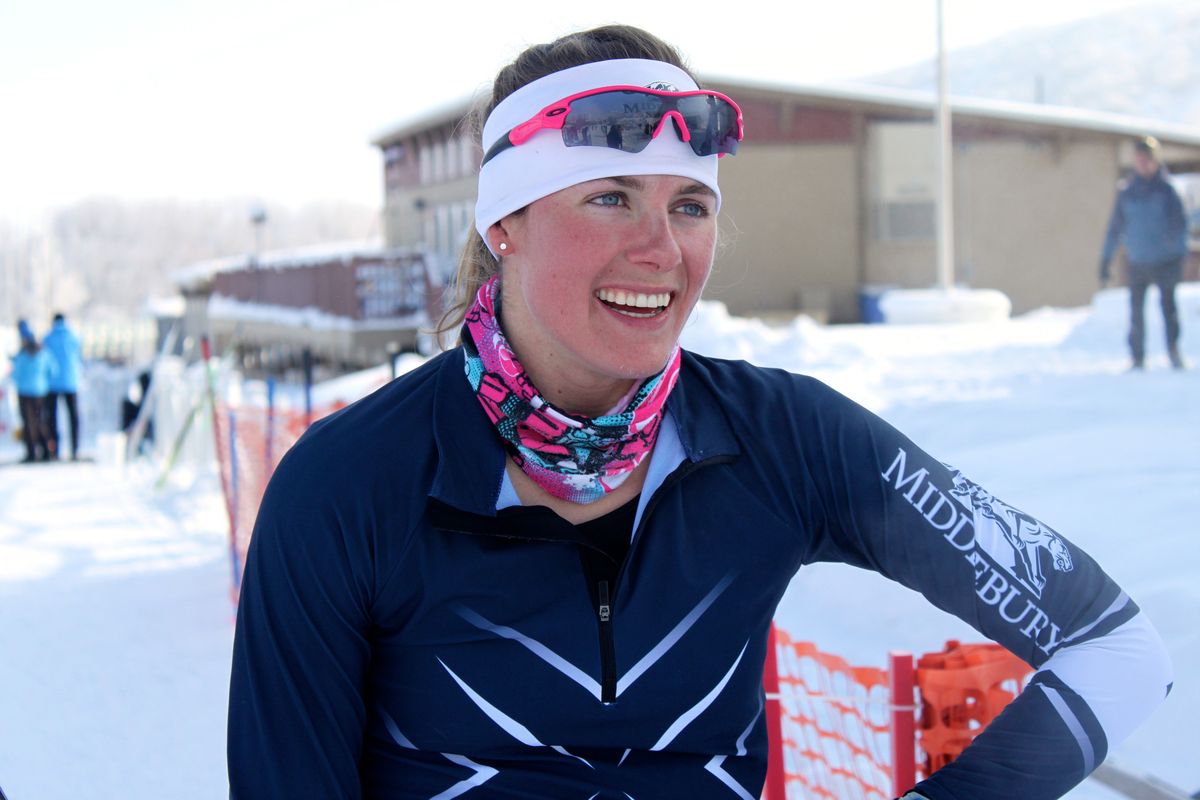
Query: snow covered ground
{"points": [[115, 623]]}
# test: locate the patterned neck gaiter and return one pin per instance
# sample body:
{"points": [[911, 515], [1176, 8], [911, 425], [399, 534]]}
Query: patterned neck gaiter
{"points": [[573, 458]]}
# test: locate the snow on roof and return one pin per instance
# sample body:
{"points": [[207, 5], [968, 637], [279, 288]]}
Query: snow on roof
{"points": [[450, 111], [221, 307], [166, 306], [307, 256], [228, 308]]}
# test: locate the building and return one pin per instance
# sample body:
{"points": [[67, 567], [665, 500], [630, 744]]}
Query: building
{"points": [[429, 182], [342, 306], [832, 195]]}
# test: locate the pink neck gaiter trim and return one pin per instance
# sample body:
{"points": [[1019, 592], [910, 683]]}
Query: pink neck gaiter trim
{"points": [[574, 458]]}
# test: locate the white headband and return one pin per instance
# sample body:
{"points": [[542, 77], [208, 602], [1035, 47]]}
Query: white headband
{"points": [[543, 165]]}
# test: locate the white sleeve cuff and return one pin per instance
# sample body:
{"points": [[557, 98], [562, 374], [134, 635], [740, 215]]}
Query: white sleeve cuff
{"points": [[1122, 675]]}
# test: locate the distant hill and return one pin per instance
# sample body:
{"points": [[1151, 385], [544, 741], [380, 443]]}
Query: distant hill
{"points": [[1144, 62]]}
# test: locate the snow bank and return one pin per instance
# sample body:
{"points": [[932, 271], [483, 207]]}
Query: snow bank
{"points": [[906, 306], [1107, 323], [796, 345]]}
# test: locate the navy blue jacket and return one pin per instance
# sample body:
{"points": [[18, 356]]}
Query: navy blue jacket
{"points": [[399, 637], [1148, 218]]}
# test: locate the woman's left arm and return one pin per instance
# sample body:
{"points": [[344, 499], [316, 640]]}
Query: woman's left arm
{"points": [[1101, 667]]}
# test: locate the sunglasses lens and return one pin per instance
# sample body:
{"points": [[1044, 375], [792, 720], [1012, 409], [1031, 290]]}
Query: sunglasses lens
{"points": [[712, 122], [620, 120]]}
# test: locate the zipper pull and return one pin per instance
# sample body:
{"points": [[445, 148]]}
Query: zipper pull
{"points": [[605, 608]]}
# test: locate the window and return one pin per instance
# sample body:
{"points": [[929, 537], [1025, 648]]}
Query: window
{"points": [[393, 153], [466, 154], [442, 226], [429, 230], [439, 161], [902, 177], [424, 162], [902, 220]]}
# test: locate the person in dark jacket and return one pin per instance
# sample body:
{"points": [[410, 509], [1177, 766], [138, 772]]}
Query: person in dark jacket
{"points": [[62, 345], [32, 370], [1148, 219], [545, 563]]}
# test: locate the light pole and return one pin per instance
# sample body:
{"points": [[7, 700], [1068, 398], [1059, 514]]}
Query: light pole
{"points": [[258, 218], [945, 166]]}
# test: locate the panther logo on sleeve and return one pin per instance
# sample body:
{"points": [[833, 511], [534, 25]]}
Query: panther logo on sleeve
{"points": [[1027, 536]]}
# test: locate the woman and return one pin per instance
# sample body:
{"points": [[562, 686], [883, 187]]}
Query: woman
{"points": [[554, 577], [32, 371]]}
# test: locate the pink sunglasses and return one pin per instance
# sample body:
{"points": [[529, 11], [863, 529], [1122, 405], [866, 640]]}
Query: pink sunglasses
{"points": [[628, 117]]}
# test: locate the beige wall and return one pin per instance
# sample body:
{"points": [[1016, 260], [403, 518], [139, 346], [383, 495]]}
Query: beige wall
{"points": [[1032, 216], [404, 225], [790, 231], [908, 264]]}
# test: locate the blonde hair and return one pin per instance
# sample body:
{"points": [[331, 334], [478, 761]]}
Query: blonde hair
{"points": [[476, 264]]}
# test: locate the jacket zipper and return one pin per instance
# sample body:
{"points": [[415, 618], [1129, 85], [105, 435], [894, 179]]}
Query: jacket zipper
{"points": [[608, 658]]}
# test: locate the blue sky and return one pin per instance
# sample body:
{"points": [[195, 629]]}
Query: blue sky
{"points": [[279, 100]]}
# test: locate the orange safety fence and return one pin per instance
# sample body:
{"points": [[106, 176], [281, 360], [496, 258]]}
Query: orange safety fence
{"points": [[841, 732], [244, 439], [962, 689], [250, 442], [835, 725]]}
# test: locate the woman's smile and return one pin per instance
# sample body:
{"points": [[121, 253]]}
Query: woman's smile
{"points": [[601, 278], [637, 305]]}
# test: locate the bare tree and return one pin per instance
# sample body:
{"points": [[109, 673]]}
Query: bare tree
{"points": [[107, 256]]}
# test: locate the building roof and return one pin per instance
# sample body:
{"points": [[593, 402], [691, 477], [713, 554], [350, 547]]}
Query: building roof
{"points": [[448, 113], [884, 97], [1029, 113], [308, 256]]}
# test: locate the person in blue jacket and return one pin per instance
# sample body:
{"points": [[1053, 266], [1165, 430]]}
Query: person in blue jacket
{"points": [[32, 370], [63, 347], [1149, 220], [545, 563]]}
